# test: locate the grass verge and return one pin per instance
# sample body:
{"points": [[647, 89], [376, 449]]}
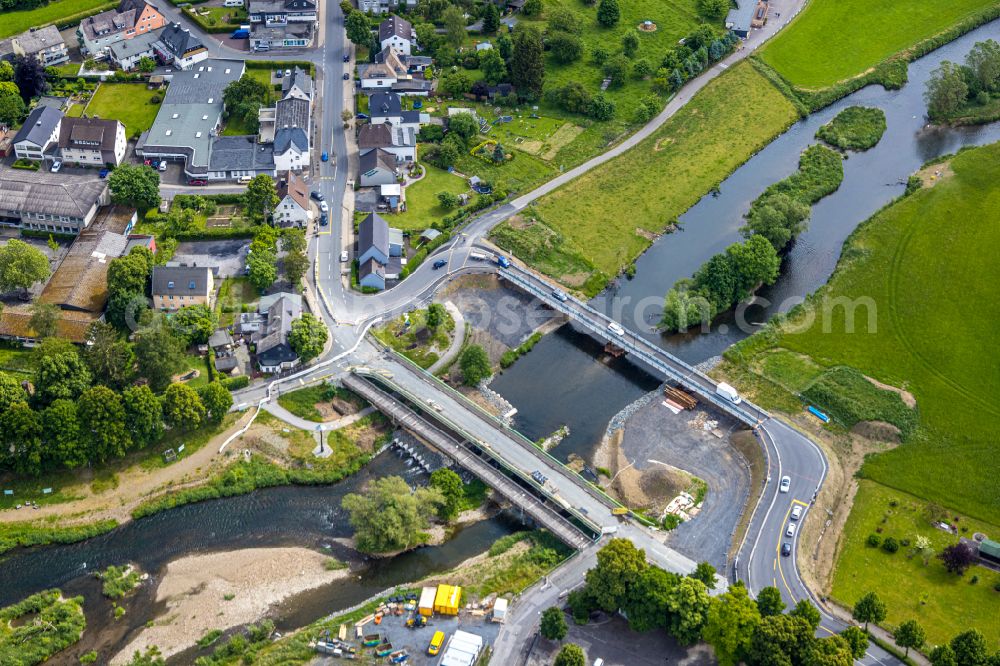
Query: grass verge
{"points": [[26, 534]]}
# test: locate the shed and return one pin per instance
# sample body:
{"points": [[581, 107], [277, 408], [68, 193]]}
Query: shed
{"points": [[500, 610], [447, 599], [989, 550], [430, 234], [426, 604]]}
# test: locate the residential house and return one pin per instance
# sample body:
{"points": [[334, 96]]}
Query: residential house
{"points": [[127, 53], [224, 350], [281, 23], [740, 18], [178, 47], [371, 274], [43, 201], [398, 34], [379, 252], [274, 353], [387, 69], [79, 286], [415, 63], [291, 133], [190, 116], [385, 107], [92, 141], [130, 19], [400, 141], [44, 44], [373, 239], [293, 35], [39, 132], [234, 157], [378, 167], [175, 287], [385, 6], [298, 85], [294, 208]]}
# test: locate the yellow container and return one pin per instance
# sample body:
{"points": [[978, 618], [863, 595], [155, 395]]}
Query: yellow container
{"points": [[447, 599]]}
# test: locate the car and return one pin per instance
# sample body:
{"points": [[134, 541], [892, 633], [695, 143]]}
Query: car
{"points": [[343, 256], [559, 295], [318, 196], [790, 530], [147, 162], [786, 549], [278, 74], [103, 173], [347, 57], [163, 166], [796, 512], [440, 263], [362, 116], [324, 206], [786, 483], [288, 72], [347, 77], [56, 166], [616, 328], [197, 181], [323, 219], [325, 156]]}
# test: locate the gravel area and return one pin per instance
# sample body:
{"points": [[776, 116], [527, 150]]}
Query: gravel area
{"points": [[508, 315], [228, 255]]}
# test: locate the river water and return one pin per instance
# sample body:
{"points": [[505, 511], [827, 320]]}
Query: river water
{"points": [[559, 382]]}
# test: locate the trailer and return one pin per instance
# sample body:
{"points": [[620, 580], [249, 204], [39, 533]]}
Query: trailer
{"points": [[384, 649], [398, 657], [371, 640]]}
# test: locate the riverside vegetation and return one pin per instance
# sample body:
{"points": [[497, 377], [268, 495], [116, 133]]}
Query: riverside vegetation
{"points": [[967, 94], [38, 627], [854, 128]]}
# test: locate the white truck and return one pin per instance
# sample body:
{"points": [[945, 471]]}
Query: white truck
{"points": [[729, 393]]}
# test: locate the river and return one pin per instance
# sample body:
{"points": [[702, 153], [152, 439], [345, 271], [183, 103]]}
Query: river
{"points": [[559, 383]]}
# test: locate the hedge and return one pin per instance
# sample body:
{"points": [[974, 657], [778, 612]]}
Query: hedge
{"points": [[414, 262], [44, 235], [276, 64], [236, 383], [214, 234]]}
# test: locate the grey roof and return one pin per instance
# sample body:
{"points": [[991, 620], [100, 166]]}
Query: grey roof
{"points": [[373, 232], [265, 302], [280, 6], [291, 112], [34, 41], [395, 236], [383, 104], [49, 193], [395, 26], [137, 5], [415, 60], [296, 29], [430, 234], [412, 85], [180, 280], [369, 267], [240, 153], [220, 338], [299, 79], [39, 126], [109, 22], [371, 136], [203, 83], [374, 159], [131, 47], [404, 137], [739, 19], [272, 339], [180, 40], [411, 116], [90, 134], [286, 138]]}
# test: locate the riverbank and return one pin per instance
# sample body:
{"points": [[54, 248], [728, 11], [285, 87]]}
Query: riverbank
{"points": [[218, 591]]}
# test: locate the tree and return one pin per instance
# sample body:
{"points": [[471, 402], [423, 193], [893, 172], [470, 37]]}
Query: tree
{"points": [[146, 64], [29, 75], [135, 185], [456, 84], [62, 375], [909, 635], [643, 69], [618, 563], [21, 265], [769, 602], [454, 26], [869, 608], [296, 259], [11, 392], [713, 10], [984, 62], [571, 654], [144, 415], [61, 435], [805, 610], [857, 640], [970, 648], [447, 200], [44, 319], [778, 217], [194, 323], [442, 156], [608, 13], [572, 97], [435, 315], [475, 365], [561, 19], [102, 423], [958, 557], [505, 45], [646, 597], [6, 72], [687, 610], [532, 7], [492, 65], [565, 47], [705, 572], [491, 19], [942, 655], [263, 271], [217, 401], [358, 29], [616, 68], [683, 308], [553, 625], [630, 43], [527, 66], [389, 516], [830, 651], [12, 107], [109, 357], [182, 407], [452, 491], [779, 640], [732, 619], [260, 197], [464, 125], [754, 262], [131, 273], [20, 432], [151, 657], [243, 99], [946, 90], [307, 337], [159, 353]]}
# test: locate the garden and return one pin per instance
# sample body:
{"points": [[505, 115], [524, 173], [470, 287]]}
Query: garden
{"points": [[132, 103], [423, 208], [320, 403]]}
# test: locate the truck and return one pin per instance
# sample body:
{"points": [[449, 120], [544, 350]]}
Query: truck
{"points": [[477, 256], [240, 34], [728, 392], [502, 261]]}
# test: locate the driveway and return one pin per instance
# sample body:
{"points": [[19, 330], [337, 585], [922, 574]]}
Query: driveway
{"points": [[228, 255]]}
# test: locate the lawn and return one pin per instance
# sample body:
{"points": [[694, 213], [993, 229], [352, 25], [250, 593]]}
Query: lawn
{"points": [[12, 23], [302, 402], [422, 207], [668, 172], [410, 336], [832, 40], [17, 362], [943, 603], [234, 295], [195, 362], [130, 103]]}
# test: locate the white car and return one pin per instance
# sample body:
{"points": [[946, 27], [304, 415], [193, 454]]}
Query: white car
{"points": [[616, 328], [56, 166], [324, 206], [163, 165], [343, 255], [786, 483], [790, 532], [796, 512]]}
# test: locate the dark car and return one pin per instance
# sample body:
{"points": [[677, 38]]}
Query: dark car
{"points": [[197, 181], [104, 173], [347, 76], [318, 196], [786, 549], [323, 219], [347, 57], [440, 263]]}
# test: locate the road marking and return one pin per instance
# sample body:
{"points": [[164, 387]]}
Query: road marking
{"points": [[323, 233], [805, 505]]}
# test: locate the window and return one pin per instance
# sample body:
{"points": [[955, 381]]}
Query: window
{"points": [[170, 285], [191, 284]]}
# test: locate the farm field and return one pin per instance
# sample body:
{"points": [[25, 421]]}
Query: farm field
{"points": [[943, 603], [866, 33], [680, 162], [13, 23], [130, 103]]}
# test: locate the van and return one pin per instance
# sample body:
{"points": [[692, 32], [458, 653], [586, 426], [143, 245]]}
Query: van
{"points": [[729, 393], [616, 328], [243, 180], [233, 3], [436, 641]]}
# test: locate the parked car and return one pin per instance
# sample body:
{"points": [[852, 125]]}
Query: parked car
{"points": [[288, 72], [347, 77], [786, 483], [163, 165], [343, 256], [279, 74], [323, 219], [347, 57], [440, 263], [786, 549], [325, 156], [796, 512], [318, 196], [103, 173], [197, 181], [56, 166], [790, 530], [324, 206]]}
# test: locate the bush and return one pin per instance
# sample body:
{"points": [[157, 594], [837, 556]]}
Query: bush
{"points": [[874, 540], [854, 128], [890, 545], [236, 383]]}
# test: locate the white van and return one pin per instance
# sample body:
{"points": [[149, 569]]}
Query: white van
{"points": [[729, 393], [243, 180], [233, 3], [616, 328]]}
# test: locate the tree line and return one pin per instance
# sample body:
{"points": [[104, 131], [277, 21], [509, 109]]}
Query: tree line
{"points": [[952, 87]]}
